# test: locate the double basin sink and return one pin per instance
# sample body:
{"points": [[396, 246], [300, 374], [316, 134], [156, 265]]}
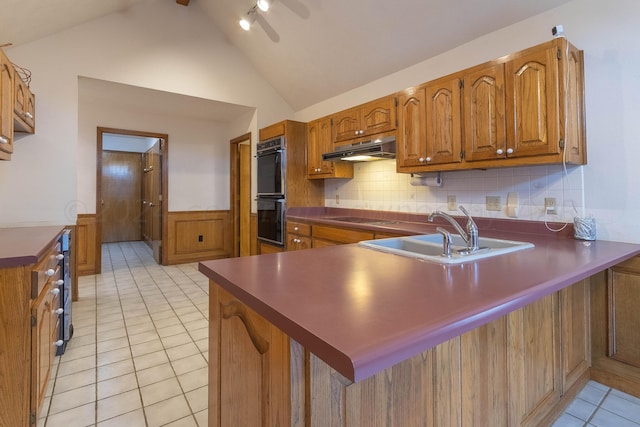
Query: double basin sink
{"points": [[429, 247]]}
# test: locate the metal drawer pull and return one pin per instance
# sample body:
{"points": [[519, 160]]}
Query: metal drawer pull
{"points": [[60, 257], [4, 139], [28, 114], [60, 282], [50, 272], [59, 343], [60, 311], [55, 291]]}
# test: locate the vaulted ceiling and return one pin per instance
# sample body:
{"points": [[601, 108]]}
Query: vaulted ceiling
{"points": [[309, 50]]}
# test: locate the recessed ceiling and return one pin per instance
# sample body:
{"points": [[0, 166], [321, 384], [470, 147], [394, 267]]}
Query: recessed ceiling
{"points": [[309, 50]]}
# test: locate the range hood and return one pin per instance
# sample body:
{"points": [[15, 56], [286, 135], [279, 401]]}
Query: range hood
{"points": [[375, 149]]}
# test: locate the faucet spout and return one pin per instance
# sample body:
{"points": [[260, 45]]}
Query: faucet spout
{"points": [[470, 236]]}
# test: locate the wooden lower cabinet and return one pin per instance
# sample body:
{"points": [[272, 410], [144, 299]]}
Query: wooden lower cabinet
{"points": [[29, 298], [252, 386], [614, 322], [508, 372]]}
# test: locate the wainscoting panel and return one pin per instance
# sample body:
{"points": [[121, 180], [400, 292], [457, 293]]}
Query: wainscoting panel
{"points": [[198, 235], [85, 244]]}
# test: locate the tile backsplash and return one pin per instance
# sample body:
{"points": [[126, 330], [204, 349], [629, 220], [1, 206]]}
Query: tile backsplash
{"points": [[377, 186]]}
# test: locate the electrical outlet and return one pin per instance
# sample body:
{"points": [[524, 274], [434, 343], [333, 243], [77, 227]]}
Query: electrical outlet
{"points": [[550, 205], [451, 203], [337, 199], [493, 203]]}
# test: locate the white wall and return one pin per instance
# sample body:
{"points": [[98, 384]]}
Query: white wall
{"points": [[608, 32], [156, 45], [198, 155]]}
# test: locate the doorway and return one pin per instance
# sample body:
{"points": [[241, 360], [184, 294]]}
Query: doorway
{"points": [[240, 203], [131, 189]]}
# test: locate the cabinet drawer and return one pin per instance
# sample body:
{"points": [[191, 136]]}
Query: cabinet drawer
{"points": [[631, 265], [47, 269], [299, 228], [340, 235]]}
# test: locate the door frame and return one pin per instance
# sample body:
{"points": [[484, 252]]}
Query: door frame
{"points": [[234, 194], [164, 172]]}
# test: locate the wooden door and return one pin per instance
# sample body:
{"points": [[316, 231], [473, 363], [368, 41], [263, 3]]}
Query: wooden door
{"points": [[532, 103], [484, 116], [121, 196], [412, 136], [245, 199], [444, 121], [347, 125], [6, 107], [41, 347]]}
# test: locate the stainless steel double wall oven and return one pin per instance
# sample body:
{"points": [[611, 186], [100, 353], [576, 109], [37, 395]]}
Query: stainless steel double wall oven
{"points": [[271, 156]]}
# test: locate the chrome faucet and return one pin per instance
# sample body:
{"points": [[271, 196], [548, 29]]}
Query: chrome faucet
{"points": [[470, 236]]}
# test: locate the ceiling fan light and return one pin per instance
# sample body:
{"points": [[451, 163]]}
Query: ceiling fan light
{"points": [[245, 24], [264, 5]]}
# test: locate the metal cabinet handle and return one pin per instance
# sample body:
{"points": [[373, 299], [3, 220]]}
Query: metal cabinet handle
{"points": [[29, 115], [499, 151], [4, 139], [55, 291], [509, 150], [50, 272], [59, 343]]}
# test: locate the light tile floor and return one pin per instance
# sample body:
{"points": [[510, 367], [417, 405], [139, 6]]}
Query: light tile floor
{"points": [[138, 356]]}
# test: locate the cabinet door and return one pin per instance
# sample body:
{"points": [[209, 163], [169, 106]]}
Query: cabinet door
{"points": [[532, 103], [484, 119], [318, 143], [443, 121], [624, 317], [347, 125], [575, 332], [533, 361], [42, 347], [24, 106], [379, 116], [249, 380], [6, 107], [412, 137]]}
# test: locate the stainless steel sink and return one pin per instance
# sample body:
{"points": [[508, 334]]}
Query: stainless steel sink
{"points": [[428, 247]]}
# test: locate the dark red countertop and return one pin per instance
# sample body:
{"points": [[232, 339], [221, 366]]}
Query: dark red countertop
{"points": [[25, 245], [362, 311]]}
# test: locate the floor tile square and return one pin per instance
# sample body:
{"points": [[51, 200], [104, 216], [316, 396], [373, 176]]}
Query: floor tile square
{"points": [[154, 374], [159, 391], [146, 348], [118, 405], [188, 364], [149, 360], [117, 369], [198, 398], [81, 416], [77, 380], [130, 419], [182, 351], [117, 385], [73, 398], [194, 379], [167, 411]]}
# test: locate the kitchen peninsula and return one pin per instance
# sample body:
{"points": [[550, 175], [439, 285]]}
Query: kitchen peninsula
{"points": [[349, 336]]}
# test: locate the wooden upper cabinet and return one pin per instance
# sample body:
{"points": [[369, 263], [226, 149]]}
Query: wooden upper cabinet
{"points": [[24, 107], [532, 82], [444, 121], [484, 113], [430, 125], [522, 109], [363, 121], [319, 142], [411, 144], [6, 107]]}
